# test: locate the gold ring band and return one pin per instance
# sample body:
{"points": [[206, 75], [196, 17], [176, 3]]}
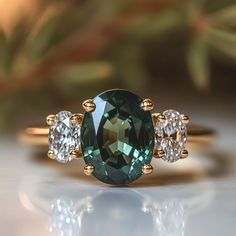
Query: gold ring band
{"points": [[38, 135]]}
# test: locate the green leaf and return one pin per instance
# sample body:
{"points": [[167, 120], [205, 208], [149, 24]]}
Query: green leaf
{"points": [[224, 42], [198, 63], [224, 17], [63, 25], [147, 27], [14, 46], [83, 73], [52, 32]]}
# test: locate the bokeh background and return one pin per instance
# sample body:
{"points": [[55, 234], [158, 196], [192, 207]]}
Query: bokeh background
{"points": [[55, 54]]}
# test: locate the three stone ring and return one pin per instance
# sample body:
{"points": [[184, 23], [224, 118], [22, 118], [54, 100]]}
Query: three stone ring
{"points": [[117, 136]]}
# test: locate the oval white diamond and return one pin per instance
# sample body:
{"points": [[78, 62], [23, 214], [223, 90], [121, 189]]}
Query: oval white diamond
{"points": [[64, 137], [171, 136]]}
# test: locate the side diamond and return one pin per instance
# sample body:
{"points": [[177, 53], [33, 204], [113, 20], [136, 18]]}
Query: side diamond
{"points": [[171, 136], [64, 137]]}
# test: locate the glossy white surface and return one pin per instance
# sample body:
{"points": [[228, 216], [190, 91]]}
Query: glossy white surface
{"points": [[193, 197]]}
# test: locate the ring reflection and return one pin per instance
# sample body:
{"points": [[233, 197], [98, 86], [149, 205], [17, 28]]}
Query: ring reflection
{"points": [[117, 212]]}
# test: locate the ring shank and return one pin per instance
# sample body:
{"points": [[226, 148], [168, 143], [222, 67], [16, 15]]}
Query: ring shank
{"points": [[38, 135]]}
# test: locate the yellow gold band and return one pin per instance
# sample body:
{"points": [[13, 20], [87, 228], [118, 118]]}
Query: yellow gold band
{"points": [[39, 135]]}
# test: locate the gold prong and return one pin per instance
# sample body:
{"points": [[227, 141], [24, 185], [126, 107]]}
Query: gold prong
{"points": [[147, 169], [89, 105], [159, 153], [184, 154], [161, 118], [155, 117], [185, 119], [89, 169], [76, 119], [51, 155], [76, 154], [147, 104], [50, 119]]}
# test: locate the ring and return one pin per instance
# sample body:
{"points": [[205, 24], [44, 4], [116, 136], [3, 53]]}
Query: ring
{"points": [[117, 136]]}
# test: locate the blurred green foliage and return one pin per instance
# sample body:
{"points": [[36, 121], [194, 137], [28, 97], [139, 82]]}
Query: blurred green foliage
{"points": [[56, 57]]}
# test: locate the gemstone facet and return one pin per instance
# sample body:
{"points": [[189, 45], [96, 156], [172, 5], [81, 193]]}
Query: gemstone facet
{"points": [[64, 137], [117, 137], [171, 136]]}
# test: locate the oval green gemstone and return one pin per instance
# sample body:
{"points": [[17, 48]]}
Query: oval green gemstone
{"points": [[117, 137]]}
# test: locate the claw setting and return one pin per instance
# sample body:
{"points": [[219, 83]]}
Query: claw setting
{"points": [[64, 137], [171, 136]]}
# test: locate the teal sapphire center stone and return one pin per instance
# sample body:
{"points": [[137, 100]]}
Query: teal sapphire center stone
{"points": [[117, 137]]}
